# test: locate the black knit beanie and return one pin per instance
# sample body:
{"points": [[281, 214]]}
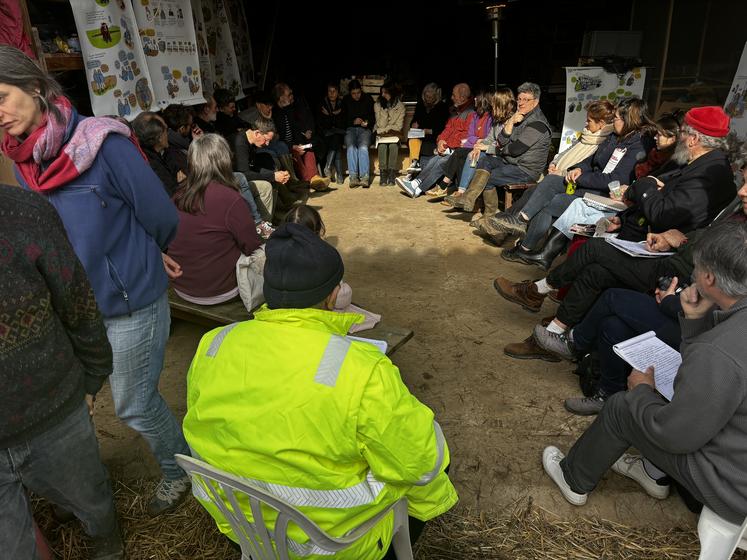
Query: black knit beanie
{"points": [[301, 269]]}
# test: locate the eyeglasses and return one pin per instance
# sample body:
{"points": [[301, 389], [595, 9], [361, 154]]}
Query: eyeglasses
{"points": [[524, 99]]}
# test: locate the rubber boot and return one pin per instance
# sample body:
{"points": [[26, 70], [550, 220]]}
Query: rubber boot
{"points": [[474, 190], [555, 244]]}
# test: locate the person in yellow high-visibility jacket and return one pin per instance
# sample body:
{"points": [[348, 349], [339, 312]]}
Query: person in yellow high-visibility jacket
{"points": [[287, 401]]}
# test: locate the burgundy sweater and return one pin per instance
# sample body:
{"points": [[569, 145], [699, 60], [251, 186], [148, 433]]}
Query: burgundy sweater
{"points": [[208, 243]]}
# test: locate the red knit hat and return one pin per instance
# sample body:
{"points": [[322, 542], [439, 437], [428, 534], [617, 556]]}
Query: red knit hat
{"points": [[711, 121]]}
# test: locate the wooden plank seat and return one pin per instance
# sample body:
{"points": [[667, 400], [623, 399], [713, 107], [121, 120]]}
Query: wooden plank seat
{"points": [[513, 188], [212, 316]]}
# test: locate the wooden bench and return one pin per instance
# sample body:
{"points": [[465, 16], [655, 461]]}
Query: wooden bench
{"points": [[212, 316]]}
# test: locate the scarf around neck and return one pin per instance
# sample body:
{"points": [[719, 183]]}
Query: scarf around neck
{"points": [[58, 152]]}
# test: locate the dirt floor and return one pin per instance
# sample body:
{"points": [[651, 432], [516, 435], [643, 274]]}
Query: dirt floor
{"points": [[420, 266]]}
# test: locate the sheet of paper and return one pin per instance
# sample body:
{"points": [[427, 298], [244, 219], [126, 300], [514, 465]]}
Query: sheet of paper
{"points": [[416, 133], [647, 350], [380, 344], [636, 249]]}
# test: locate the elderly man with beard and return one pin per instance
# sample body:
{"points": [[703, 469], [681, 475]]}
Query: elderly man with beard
{"points": [[691, 198]]}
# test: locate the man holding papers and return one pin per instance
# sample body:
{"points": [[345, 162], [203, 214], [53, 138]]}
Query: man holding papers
{"points": [[700, 437]]}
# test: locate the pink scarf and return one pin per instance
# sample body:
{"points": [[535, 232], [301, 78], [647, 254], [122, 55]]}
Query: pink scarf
{"points": [[66, 161]]}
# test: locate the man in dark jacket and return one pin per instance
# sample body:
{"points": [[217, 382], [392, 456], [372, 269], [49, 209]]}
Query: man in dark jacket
{"points": [[699, 438], [691, 196], [54, 358], [360, 118]]}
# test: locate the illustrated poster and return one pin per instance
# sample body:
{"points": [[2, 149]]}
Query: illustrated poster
{"points": [[203, 53], [116, 70], [589, 83], [167, 34], [735, 101], [220, 45], [241, 42]]}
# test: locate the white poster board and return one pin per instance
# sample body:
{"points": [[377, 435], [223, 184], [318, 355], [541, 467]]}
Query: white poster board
{"points": [[220, 44], [203, 53], [737, 98], [116, 70], [241, 42], [167, 34], [589, 83]]}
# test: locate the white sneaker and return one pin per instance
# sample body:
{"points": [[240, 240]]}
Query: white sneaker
{"points": [[414, 166], [551, 458], [632, 467], [407, 186]]}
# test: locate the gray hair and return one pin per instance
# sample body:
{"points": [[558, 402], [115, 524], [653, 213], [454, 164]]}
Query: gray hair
{"points": [[722, 251], [148, 127], [433, 89], [708, 142], [263, 125], [17, 69], [531, 88], [208, 159]]}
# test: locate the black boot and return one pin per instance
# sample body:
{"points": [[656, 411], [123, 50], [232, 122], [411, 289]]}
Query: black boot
{"points": [[555, 244]]}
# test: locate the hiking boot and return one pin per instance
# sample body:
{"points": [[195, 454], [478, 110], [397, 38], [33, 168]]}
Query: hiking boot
{"points": [[110, 547], [553, 296], [319, 183], [354, 182], [408, 188], [169, 494], [551, 458], [632, 467], [586, 406], [437, 192], [514, 254], [454, 200], [364, 182], [513, 225], [558, 344], [528, 350], [524, 293]]}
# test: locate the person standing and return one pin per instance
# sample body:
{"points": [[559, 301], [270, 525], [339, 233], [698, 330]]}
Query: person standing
{"points": [[119, 219], [54, 358]]}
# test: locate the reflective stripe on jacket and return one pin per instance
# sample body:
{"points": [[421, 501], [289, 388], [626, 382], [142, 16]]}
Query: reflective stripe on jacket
{"points": [[324, 422]]}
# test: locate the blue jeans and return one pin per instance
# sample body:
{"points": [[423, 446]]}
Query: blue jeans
{"points": [[358, 140], [468, 171], [138, 343], [502, 173], [248, 195], [618, 315], [546, 190], [432, 172], [63, 466]]}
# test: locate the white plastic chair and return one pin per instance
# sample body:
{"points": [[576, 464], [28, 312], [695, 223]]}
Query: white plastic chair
{"points": [[255, 538], [719, 538]]}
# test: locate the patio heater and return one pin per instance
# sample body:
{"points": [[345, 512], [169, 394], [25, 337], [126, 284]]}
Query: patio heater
{"points": [[494, 13]]}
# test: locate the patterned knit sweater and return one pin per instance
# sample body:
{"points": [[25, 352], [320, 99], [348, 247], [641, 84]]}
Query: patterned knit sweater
{"points": [[53, 345]]}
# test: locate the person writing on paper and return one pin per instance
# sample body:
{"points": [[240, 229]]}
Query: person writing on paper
{"points": [[288, 401], [699, 438]]}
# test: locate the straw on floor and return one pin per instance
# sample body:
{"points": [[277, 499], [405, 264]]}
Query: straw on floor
{"points": [[526, 533]]}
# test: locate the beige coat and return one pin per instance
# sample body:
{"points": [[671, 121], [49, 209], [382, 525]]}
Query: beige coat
{"points": [[582, 148], [389, 122]]}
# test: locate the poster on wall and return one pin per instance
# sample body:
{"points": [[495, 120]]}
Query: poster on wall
{"points": [[203, 53], [220, 45], [241, 42], [116, 70], [589, 83], [735, 101], [167, 34]]}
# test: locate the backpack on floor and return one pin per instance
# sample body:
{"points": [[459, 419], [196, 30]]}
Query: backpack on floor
{"points": [[589, 373]]}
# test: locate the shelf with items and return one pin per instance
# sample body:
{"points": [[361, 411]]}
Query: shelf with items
{"points": [[61, 62]]}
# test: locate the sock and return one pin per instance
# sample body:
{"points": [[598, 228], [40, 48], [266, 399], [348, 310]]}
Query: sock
{"points": [[652, 470], [543, 287], [445, 181], [553, 327], [415, 183]]}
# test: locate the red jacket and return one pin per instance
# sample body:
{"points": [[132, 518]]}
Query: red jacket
{"points": [[458, 126]]}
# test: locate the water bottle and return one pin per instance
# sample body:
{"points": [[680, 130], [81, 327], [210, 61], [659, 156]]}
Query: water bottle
{"points": [[570, 187]]}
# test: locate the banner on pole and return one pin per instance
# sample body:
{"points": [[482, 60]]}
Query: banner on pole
{"points": [[735, 101]]}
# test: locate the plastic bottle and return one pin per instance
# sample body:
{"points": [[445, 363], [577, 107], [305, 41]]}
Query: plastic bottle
{"points": [[570, 187]]}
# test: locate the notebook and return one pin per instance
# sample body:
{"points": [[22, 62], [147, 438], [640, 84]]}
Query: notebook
{"points": [[603, 203], [647, 350], [636, 248]]}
